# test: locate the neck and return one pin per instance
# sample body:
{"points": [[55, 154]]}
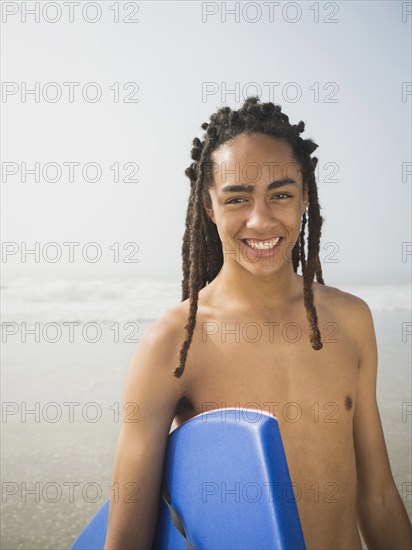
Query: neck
{"points": [[241, 287]]}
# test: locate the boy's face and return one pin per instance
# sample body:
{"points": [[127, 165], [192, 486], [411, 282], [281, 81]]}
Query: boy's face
{"points": [[256, 161]]}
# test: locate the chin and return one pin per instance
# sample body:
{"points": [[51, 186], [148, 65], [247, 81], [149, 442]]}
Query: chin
{"points": [[263, 271]]}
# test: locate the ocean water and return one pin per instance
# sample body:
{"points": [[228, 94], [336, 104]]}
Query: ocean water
{"points": [[47, 300], [62, 395]]}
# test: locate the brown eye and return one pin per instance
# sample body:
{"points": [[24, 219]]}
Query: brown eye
{"points": [[231, 201], [284, 195]]}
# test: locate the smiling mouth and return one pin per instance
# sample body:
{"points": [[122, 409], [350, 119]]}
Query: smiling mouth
{"points": [[262, 245]]}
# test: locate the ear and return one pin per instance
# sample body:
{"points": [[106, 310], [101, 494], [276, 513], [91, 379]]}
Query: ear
{"points": [[208, 207]]}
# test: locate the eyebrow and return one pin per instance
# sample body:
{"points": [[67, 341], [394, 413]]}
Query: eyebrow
{"points": [[250, 188]]}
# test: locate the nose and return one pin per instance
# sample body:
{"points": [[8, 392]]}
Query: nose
{"points": [[261, 219]]}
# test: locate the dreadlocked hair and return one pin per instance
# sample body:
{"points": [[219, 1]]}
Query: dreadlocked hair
{"points": [[202, 255]]}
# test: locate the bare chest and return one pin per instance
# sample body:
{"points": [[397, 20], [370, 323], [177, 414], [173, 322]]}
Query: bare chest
{"points": [[268, 364]]}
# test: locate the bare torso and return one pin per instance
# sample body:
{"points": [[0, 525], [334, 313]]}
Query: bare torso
{"points": [[273, 367]]}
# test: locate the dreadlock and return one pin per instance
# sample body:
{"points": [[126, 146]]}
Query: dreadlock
{"points": [[202, 255]]}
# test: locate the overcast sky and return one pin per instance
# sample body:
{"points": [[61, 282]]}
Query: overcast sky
{"points": [[342, 67]]}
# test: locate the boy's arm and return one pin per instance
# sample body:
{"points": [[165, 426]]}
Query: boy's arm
{"points": [[381, 514], [150, 397]]}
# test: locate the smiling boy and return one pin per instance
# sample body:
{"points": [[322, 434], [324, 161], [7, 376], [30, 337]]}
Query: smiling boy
{"points": [[257, 334]]}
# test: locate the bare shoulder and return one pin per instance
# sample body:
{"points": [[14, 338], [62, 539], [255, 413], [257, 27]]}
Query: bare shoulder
{"points": [[166, 330], [339, 298], [351, 311], [156, 354]]}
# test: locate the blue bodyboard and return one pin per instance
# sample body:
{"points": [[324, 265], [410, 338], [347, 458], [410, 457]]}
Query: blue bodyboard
{"points": [[227, 474]]}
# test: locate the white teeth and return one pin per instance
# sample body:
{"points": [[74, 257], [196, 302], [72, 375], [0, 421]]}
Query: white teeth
{"points": [[262, 245]]}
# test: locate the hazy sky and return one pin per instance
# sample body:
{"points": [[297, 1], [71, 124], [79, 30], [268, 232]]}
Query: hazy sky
{"points": [[342, 67]]}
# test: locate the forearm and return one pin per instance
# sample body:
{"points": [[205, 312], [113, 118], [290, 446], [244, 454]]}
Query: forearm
{"points": [[134, 503], [385, 525], [129, 528]]}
